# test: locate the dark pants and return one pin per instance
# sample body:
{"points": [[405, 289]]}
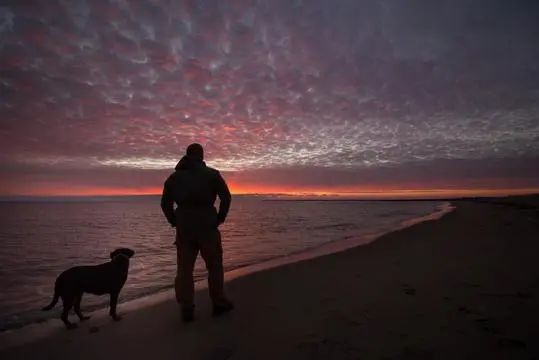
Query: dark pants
{"points": [[188, 246]]}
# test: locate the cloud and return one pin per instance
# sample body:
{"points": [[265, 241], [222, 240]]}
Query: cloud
{"points": [[355, 85]]}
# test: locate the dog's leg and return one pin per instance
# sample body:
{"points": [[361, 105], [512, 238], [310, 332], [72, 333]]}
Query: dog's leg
{"points": [[113, 303], [78, 299], [67, 300]]}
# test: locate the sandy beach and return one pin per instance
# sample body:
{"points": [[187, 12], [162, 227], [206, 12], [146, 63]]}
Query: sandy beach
{"points": [[464, 286]]}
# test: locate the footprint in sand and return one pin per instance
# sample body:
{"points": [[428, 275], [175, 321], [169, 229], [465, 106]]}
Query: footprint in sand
{"points": [[410, 291], [511, 343], [464, 310], [221, 353], [485, 324]]}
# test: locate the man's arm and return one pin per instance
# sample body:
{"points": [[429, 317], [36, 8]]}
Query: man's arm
{"points": [[167, 205], [224, 199]]}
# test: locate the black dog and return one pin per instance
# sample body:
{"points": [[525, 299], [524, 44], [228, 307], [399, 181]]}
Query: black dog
{"points": [[107, 278]]}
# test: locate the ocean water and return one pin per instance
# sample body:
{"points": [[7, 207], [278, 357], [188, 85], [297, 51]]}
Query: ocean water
{"points": [[40, 239]]}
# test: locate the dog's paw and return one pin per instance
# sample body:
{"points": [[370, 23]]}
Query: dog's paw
{"points": [[116, 317], [85, 318], [71, 326]]}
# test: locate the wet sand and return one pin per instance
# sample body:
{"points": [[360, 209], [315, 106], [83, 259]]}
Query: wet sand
{"points": [[464, 286]]}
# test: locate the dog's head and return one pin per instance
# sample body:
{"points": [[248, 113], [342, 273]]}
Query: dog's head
{"points": [[125, 253]]}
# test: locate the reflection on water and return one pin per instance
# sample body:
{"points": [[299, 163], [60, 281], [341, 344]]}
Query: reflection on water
{"points": [[41, 239]]}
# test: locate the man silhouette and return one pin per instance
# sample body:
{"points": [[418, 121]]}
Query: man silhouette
{"points": [[194, 188]]}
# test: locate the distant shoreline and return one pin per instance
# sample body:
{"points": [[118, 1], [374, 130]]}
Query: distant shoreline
{"points": [[371, 200], [263, 197]]}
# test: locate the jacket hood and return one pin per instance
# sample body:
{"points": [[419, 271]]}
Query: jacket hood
{"points": [[187, 163]]}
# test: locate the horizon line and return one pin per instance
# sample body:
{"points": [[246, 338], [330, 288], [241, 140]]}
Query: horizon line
{"points": [[407, 194]]}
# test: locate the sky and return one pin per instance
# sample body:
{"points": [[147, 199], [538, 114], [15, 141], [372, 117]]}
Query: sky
{"points": [[406, 98]]}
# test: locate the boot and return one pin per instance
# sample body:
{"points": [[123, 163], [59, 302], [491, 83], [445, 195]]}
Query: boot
{"points": [[188, 313], [221, 309]]}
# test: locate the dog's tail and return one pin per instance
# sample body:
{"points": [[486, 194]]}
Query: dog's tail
{"points": [[53, 302]]}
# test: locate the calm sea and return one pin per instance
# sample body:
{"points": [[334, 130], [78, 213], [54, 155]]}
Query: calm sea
{"points": [[40, 239]]}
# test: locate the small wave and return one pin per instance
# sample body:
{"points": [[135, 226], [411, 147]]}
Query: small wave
{"points": [[332, 226]]}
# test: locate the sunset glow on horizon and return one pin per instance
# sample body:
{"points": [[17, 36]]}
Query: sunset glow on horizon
{"points": [[355, 98], [381, 194]]}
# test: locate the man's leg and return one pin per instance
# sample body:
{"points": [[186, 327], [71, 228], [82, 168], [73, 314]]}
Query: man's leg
{"points": [[212, 253], [187, 251]]}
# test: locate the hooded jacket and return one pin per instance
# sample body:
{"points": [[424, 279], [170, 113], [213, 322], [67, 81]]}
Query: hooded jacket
{"points": [[194, 188]]}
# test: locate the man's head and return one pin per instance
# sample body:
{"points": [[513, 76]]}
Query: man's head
{"points": [[195, 151]]}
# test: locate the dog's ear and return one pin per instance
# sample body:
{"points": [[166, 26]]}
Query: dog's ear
{"points": [[114, 253]]}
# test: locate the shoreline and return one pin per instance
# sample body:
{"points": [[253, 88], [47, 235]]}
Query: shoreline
{"points": [[35, 330], [464, 286]]}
